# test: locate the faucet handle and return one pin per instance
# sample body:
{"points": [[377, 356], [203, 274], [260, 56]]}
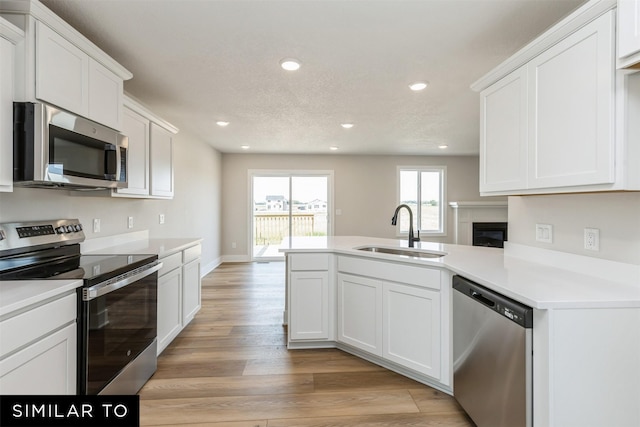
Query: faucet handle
{"points": [[417, 239]]}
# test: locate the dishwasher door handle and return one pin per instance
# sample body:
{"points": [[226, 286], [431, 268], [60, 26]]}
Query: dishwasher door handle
{"points": [[486, 301]]}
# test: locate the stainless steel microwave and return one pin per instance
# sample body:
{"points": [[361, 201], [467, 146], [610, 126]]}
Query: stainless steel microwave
{"points": [[55, 148]]}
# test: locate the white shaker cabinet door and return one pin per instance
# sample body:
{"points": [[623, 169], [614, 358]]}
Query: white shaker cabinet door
{"points": [[62, 71], [161, 146], [6, 115], [503, 134], [191, 291], [360, 313], [571, 105], [169, 307], [412, 328], [105, 96], [309, 294], [628, 27], [136, 128], [47, 366]]}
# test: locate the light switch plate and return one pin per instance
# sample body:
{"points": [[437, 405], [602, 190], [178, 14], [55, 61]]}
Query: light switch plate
{"points": [[544, 233]]}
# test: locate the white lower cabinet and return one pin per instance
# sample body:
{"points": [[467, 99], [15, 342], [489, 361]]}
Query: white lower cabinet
{"points": [[309, 305], [179, 293], [395, 312], [311, 297], [169, 307], [360, 312], [398, 322], [38, 350], [411, 327], [45, 367], [191, 295]]}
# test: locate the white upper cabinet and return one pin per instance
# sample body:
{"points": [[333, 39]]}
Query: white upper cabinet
{"points": [[10, 35], [503, 133], [628, 33], [105, 95], [556, 117], [136, 128], [149, 154], [62, 71], [161, 147], [571, 94], [60, 66]]}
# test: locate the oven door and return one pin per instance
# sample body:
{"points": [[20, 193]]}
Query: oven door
{"points": [[118, 324]]}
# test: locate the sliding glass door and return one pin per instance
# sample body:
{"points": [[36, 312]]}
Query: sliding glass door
{"points": [[287, 205]]}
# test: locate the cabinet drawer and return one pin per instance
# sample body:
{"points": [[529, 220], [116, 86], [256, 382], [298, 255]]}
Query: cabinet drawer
{"points": [[309, 262], [413, 275], [28, 326], [192, 253], [170, 262]]}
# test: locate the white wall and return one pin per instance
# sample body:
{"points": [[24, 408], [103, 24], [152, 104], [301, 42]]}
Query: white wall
{"points": [[364, 190], [193, 212], [616, 215]]}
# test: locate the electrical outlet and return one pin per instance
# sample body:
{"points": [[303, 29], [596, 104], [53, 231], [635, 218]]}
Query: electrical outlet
{"points": [[130, 222], [96, 225], [544, 233], [233, 245], [161, 218], [592, 239]]}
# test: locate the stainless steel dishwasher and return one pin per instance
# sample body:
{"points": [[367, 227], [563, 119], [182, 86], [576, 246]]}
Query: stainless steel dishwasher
{"points": [[492, 356]]}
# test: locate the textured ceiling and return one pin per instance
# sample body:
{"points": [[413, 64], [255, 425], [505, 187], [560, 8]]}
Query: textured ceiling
{"points": [[198, 61]]}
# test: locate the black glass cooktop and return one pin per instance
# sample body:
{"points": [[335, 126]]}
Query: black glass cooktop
{"points": [[57, 264]]}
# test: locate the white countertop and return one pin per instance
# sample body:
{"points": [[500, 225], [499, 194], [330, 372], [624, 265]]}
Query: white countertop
{"points": [[18, 294], [536, 284], [161, 247]]}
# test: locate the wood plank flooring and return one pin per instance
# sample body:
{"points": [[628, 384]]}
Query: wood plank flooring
{"points": [[230, 368]]}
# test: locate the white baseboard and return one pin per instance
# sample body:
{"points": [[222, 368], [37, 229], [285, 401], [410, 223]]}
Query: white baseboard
{"points": [[236, 258], [206, 269]]}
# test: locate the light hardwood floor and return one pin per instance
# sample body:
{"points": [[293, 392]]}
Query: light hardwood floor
{"points": [[230, 367]]}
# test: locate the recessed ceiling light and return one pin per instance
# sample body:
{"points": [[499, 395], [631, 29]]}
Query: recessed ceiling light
{"points": [[443, 146], [222, 123], [347, 125], [418, 86], [290, 64], [333, 148], [245, 147]]}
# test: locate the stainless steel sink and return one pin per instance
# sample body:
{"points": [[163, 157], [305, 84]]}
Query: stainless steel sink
{"points": [[413, 253]]}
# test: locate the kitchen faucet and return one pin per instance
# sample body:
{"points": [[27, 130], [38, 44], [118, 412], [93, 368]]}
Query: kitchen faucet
{"points": [[394, 221]]}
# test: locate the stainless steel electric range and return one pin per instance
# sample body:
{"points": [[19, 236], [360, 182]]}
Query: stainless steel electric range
{"points": [[117, 302]]}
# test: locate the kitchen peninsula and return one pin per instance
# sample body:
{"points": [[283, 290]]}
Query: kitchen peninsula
{"points": [[585, 336]]}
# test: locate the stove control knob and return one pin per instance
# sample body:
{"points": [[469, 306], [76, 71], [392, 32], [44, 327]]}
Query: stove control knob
{"points": [[79, 227], [61, 229]]}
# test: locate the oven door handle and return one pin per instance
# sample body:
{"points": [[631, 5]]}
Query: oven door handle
{"points": [[103, 288]]}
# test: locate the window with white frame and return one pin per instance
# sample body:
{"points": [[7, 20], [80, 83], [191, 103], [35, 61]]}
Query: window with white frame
{"points": [[422, 188]]}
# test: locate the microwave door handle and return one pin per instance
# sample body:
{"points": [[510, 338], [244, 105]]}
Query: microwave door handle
{"points": [[110, 161]]}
